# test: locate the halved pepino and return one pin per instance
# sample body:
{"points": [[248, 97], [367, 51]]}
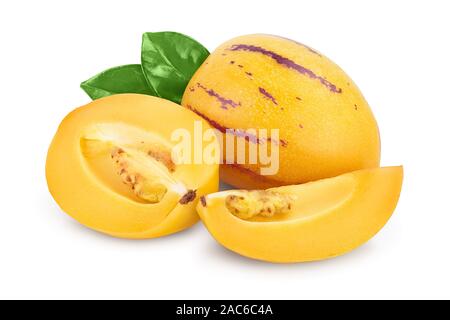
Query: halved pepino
{"points": [[307, 222], [110, 166]]}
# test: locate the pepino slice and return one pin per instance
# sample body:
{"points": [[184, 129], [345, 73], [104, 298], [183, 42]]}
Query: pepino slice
{"points": [[307, 222], [111, 167]]}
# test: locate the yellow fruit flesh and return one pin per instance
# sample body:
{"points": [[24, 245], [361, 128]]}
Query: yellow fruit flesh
{"points": [[327, 218], [109, 167], [141, 162], [267, 82]]}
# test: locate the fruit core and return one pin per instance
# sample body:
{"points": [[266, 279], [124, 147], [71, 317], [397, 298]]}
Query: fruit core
{"points": [[258, 203], [133, 161]]}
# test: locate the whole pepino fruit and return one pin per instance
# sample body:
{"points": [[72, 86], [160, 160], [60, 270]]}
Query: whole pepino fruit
{"points": [[325, 126]]}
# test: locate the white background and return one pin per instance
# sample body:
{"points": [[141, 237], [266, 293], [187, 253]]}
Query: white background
{"points": [[398, 52]]}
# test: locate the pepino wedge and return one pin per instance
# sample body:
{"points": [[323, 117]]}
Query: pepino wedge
{"points": [[307, 222]]}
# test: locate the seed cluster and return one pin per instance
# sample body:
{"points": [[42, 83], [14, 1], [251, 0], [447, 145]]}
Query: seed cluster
{"points": [[248, 204], [164, 157], [150, 190]]}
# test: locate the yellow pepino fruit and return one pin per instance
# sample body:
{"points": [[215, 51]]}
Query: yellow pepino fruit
{"points": [[110, 167], [326, 127], [298, 223]]}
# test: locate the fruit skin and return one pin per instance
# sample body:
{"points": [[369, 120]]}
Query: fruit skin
{"points": [[330, 217], [81, 194], [263, 81]]}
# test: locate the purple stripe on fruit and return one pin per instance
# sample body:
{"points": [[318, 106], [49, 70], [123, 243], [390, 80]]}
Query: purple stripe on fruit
{"points": [[288, 63]]}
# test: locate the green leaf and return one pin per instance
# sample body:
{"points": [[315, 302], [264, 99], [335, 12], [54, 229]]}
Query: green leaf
{"points": [[169, 60], [123, 79]]}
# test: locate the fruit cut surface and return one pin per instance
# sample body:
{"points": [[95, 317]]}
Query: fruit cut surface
{"points": [[110, 167], [298, 223]]}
